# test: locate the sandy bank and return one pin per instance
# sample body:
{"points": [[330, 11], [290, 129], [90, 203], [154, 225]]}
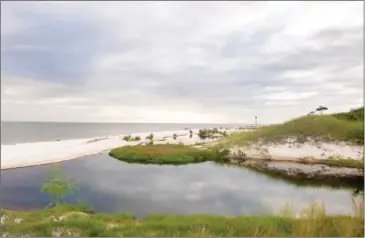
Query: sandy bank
{"points": [[294, 152]]}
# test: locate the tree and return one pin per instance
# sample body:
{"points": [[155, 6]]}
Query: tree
{"points": [[58, 186], [311, 113], [321, 109]]}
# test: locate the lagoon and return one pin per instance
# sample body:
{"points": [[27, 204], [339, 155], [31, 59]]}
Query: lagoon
{"points": [[109, 185]]}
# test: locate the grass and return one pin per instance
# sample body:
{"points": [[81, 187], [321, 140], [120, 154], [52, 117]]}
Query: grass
{"points": [[319, 128], [314, 222], [353, 115], [347, 163], [167, 154]]}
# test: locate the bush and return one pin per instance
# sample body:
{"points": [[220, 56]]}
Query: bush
{"points": [[127, 138], [149, 137], [130, 138]]}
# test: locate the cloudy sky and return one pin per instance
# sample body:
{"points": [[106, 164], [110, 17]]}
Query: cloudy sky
{"points": [[222, 62]]}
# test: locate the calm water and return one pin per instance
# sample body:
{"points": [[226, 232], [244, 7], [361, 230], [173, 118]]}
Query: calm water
{"points": [[110, 186], [20, 132]]}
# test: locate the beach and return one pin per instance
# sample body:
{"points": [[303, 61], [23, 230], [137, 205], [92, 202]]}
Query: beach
{"points": [[38, 153]]}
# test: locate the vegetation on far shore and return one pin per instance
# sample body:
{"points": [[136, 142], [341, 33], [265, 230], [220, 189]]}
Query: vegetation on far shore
{"points": [[131, 138], [211, 133], [347, 127], [167, 154]]}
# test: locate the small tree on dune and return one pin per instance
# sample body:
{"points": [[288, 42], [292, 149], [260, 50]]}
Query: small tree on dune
{"points": [[321, 109]]}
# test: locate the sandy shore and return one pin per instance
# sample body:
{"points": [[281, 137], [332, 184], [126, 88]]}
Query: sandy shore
{"points": [[31, 154]]}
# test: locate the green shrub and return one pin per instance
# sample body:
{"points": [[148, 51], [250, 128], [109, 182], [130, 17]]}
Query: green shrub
{"points": [[127, 138], [149, 137]]}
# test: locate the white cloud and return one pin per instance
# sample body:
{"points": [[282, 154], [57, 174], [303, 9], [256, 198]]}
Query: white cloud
{"points": [[179, 61]]}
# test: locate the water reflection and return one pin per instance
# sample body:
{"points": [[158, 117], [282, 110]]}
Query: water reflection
{"points": [[111, 185]]}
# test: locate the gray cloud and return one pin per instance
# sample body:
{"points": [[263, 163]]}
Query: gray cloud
{"points": [[179, 62]]}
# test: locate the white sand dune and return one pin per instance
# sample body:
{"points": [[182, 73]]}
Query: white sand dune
{"points": [[288, 151]]}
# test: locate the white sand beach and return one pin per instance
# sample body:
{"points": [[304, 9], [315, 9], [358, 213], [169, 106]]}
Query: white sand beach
{"points": [[30, 154]]}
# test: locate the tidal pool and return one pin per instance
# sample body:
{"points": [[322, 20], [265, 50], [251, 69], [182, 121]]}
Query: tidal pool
{"points": [[109, 185]]}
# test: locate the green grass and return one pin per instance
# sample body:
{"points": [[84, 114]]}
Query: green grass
{"points": [[167, 154], [353, 115], [314, 223], [319, 128], [348, 163]]}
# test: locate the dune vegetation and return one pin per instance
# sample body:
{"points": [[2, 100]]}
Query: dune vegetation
{"points": [[167, 154], [347, 127]]}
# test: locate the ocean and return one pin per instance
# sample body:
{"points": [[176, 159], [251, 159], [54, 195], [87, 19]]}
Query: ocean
{"points": [[25, 132]]}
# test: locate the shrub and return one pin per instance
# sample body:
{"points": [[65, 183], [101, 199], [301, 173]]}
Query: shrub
{"points": [[137, 138], [127, 138], [58, 186], [149, 137]]}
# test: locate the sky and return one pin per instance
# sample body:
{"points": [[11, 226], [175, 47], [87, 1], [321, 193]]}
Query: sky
{"points": [[179, 62]]}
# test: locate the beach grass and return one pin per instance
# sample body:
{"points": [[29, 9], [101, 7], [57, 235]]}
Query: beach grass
{"points": [[167, 154], [344, 163], [324, 128], [72, 221]]}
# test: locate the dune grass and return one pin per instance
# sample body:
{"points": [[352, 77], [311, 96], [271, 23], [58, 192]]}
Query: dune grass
{"points": [[167, 154], [313, 127], [353, 115], [347, 163], [72, 221]]}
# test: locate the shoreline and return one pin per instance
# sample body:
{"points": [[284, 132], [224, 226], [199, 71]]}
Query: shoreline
{"points": [[50, 152], [13, 156]]}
